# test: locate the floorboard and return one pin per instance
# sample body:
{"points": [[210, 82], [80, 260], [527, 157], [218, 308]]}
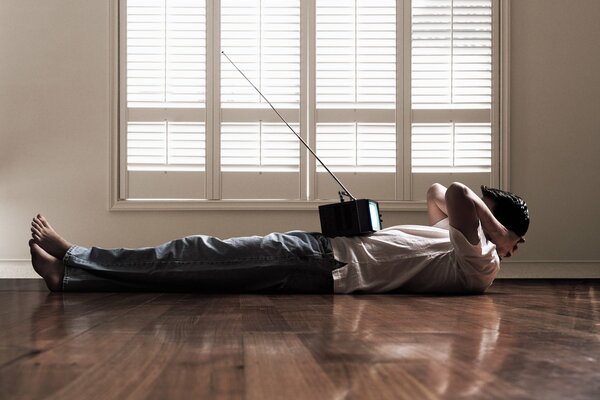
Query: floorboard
{"points": [[523, 339]]}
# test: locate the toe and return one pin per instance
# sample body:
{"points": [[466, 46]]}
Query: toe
{"points": [[43, 221], [37, 225]]}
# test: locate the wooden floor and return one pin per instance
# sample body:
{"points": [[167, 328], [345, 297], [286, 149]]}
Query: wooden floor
{"points": [[524, 339]]}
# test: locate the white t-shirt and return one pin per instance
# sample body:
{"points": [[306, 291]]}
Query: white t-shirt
{"points": [[415, 258]]}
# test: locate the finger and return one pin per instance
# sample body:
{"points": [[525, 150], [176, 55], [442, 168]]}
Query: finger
{"points": [[36, 224]]}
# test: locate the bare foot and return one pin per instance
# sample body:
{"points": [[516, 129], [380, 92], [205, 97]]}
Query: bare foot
{"points": [[47, 238], [48, 267]]}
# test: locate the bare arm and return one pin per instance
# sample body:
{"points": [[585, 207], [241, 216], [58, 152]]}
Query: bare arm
{"points": [[466, 210], [436, 203]]}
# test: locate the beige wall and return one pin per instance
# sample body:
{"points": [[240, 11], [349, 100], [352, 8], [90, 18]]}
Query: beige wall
{"points": [[54, 127], [555, 124]]}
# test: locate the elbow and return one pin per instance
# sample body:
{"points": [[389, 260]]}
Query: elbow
{"points": [[456, 192], [434, 190]]}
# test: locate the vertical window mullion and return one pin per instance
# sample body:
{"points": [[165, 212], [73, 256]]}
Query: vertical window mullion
{"points": [[213, 73], [403, 100], [166, 51], [356, 51], [310, 100], [452, 91], [166, 143], [356, 144]]}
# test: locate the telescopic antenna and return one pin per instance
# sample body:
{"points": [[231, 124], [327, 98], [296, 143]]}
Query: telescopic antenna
{"points": [[346, 191]]}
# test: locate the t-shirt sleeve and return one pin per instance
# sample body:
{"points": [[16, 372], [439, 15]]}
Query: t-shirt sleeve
{"points": [[479, 262], [443, 224]]}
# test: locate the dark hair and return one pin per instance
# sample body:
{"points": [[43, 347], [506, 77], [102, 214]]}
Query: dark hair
{"points": [[509, 209]]}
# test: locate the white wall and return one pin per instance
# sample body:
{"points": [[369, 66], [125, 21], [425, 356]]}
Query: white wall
{"points": [[54, 137]]}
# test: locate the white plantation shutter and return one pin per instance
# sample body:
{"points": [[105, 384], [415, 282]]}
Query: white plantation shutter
{"points": [[166, 53], [356, 53], [259, 146], [452, 90], [455, 147], [146, 144], [165, 146], [166, 95], [356, 94], [452, 53], [354, 147], [262, 37]]}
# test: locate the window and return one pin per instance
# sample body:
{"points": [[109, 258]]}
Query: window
{"points": [[392, 94]]}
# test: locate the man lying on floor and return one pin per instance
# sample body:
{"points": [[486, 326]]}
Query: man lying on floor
{"points": [[459, 253]]}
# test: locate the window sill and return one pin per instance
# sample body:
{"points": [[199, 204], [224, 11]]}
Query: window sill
{"points": [[247, 205]]}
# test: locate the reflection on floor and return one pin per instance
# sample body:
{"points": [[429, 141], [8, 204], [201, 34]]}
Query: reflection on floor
{"points": [[523, 339]]}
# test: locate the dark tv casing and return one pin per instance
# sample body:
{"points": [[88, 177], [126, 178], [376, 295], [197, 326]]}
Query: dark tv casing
{"points": [[350, 218]]}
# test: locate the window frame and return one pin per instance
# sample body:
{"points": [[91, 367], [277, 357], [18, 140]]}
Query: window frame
{"points": [[500, 119]]}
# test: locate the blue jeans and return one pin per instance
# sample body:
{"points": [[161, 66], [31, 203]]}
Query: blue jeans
{"points": [[292, 262]]}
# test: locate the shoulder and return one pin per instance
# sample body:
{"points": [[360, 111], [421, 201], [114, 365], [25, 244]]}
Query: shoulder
{"points": [[479, 263]]}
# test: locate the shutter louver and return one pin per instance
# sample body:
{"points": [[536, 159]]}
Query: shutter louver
{"points": [[263, 38], [376, 53], [146, 36], [336, 52], [166, 53], [357, 147], [356, 53], [163, 146], [451, 147], [186, 52], [451, 53], [186, 144], [259, 146], [146, 144]]}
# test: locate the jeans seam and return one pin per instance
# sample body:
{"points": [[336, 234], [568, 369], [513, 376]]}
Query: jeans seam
{"points": [[215, 262], [65, 280]]}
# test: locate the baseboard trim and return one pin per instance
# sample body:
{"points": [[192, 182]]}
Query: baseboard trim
{"points": [[17, 269], [550, 269], [535, 269]]}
